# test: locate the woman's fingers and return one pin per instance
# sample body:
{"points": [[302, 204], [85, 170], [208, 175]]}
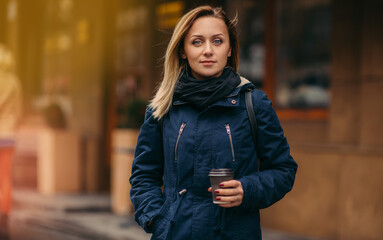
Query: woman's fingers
{"points": [[231, 183], [231, 192], [233, 201], [236, 198], [228, 192], [232, 187]]}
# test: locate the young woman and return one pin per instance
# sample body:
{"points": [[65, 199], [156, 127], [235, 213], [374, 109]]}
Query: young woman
{"points": [[196, 122]]}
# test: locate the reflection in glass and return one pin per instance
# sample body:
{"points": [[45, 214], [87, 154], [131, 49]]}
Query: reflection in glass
{"points": [[303, 54]]}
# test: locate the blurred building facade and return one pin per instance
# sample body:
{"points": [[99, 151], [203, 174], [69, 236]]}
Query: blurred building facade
{"points": [[89, 67]]}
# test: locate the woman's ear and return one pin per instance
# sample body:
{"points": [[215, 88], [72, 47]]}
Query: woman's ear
{"points": [[229, 53], [182, 53]]}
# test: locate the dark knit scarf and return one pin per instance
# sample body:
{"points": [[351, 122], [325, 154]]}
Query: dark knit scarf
{"points": [[202, 93]]}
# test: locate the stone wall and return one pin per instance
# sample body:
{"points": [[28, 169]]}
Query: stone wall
{"points": [[337, 195]]}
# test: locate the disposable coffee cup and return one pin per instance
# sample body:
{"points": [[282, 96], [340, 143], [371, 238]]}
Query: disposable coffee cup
{"points": [[217, 176]]}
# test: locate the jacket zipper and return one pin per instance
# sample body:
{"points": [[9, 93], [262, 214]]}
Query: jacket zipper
{"points": [[231, 140], [183, 125]]}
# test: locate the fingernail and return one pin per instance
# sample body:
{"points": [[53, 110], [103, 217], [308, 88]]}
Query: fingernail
{"points": [[216, 191], [218, 198], [221, 185]]}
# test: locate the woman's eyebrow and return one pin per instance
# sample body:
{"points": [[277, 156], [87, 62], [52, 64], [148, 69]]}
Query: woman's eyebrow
{"points": [[201, 36], [218, 34]]}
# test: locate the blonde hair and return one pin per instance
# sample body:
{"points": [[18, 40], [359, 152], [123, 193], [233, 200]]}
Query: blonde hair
{"points": [[174, 63]]}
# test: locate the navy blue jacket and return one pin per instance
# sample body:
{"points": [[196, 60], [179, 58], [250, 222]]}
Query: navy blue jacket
{"points": [[190, 144]]}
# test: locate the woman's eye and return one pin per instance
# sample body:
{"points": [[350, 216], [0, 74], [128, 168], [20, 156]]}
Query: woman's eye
{"points": [[197, 42], [217, 41]]}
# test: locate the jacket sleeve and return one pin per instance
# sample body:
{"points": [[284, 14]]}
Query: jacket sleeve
{"points": [[277, 167], [147, 172]]}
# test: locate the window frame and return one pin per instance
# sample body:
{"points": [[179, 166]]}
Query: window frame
{"points": [[269, 86]]}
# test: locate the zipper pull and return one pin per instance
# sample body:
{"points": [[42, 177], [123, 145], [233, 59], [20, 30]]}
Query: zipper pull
{"points": [[231, 140], [228, 129], [183, 125], [182, 128], [182, 191]]}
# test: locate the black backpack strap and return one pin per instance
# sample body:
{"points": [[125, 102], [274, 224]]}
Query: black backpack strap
{"points": [[251, 114]]}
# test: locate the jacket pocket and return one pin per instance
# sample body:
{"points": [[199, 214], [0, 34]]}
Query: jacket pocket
{"points": [[226, 150], [161, 221], [164, 226]]}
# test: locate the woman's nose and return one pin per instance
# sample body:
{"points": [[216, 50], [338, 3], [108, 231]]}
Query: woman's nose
{"points": [[208, 49]]}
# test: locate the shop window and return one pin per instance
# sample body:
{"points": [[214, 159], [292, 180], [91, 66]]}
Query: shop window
{"points": [[302, 60], [285, 50], [132, 62], [251, 31]]}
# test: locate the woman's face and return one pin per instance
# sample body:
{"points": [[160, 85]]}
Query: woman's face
{"points": [[207, 47]]}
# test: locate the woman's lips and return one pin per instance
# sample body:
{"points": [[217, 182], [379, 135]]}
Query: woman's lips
{"points": [[207, 63]]}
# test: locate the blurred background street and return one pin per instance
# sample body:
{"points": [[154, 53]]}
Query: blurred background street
{"points": [[78, 74], [81, 217]]}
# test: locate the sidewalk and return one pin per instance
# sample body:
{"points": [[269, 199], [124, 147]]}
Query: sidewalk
{"points": [[69, 217], [80, 217]]}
